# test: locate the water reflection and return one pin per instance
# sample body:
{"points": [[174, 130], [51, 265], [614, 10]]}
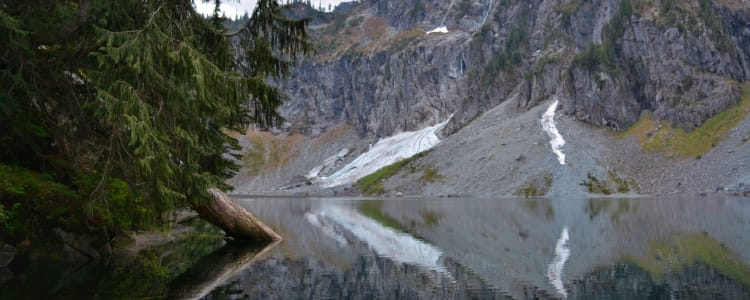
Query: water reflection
{"points": [[216, 269], [555, 270], [440, 249], [147, 274], [384, 241], [336, 248]]}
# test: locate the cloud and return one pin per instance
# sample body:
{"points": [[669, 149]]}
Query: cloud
{"points": [[236, 8]]}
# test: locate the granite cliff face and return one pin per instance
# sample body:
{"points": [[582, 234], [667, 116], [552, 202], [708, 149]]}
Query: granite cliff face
{"points": [[379, 70], [608, 60]]}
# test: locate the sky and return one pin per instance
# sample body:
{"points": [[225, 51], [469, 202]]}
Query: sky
{"points": [[236, 8]]}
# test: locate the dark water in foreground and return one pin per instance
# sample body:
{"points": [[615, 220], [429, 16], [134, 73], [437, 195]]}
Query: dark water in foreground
{"points": [[440, 249]]}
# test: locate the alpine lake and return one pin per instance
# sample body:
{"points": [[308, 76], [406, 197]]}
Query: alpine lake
{"points": [[435, 248]]}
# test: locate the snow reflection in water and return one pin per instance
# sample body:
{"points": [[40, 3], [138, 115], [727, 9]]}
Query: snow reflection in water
{"points": [[386, 242], [554, 272]]}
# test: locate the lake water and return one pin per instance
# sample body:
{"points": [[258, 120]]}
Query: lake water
{"points": [[446, 249]]}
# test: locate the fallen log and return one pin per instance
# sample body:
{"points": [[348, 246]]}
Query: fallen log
{"points": [[236, 222]]}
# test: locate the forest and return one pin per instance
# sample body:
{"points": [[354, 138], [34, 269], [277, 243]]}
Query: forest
{"points": [[114, 114]]}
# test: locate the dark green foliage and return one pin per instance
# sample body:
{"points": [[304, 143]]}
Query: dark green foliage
{"points": [[236, 25], [716, 30], [603, 57], [538, 68], [595, 186], [536, 187], [615, 183], [401, 42], [596, 57], [567, 11], [112, 113], [512, 52]]}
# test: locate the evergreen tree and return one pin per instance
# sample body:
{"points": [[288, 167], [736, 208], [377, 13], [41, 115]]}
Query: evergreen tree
{"points": [[115, 112]]}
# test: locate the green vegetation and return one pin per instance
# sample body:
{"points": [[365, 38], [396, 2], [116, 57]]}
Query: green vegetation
{"points": [[716, 30], [113, 114], [603, 57], [685, 250], [663, 138], [373, 184], [538, 68], [567, 10], [402, 40], [430, 175], [684, 17], [623, 185], [235, 25], [536, 187], [512, 53], [614, 184], [268, 152], [150, 274], [595, 186], [595, 57]]}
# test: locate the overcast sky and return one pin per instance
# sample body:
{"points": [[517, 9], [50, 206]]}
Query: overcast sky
{"points": [[235, 8]]}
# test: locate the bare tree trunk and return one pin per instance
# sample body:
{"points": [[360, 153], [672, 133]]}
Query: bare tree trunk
{"points": [[236, 222]]}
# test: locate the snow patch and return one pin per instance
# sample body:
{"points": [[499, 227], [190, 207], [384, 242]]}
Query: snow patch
{"points": [[548, 125], [386, 152], [554, 272], [441, 29], [386, 242], [328, 163]]}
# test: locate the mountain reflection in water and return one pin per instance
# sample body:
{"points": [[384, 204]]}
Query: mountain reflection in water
{"points": [[336, 248], [501, 248]]}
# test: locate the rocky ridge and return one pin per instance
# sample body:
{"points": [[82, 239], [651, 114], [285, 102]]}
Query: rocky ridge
{"points": [[608, 61]]}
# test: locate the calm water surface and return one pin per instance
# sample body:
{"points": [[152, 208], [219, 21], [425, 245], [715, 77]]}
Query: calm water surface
{"points": [[451, 249]]}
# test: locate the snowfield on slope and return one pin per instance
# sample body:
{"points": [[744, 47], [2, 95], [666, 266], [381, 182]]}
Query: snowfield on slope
{"points": [[548, 125], [384, 153]]}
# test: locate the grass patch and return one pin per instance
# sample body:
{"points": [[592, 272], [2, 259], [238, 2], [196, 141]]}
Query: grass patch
{"points": [[269, 152], [663, 138], [430, 174], [402, 40], [623, 185], [373, 184], [595, 186], [253, 159], [686, 250], [536, 187], [612, 184], [567, 10]]}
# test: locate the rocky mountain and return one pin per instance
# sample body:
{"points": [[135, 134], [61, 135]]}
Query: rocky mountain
{"points": [[380, 71]]}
